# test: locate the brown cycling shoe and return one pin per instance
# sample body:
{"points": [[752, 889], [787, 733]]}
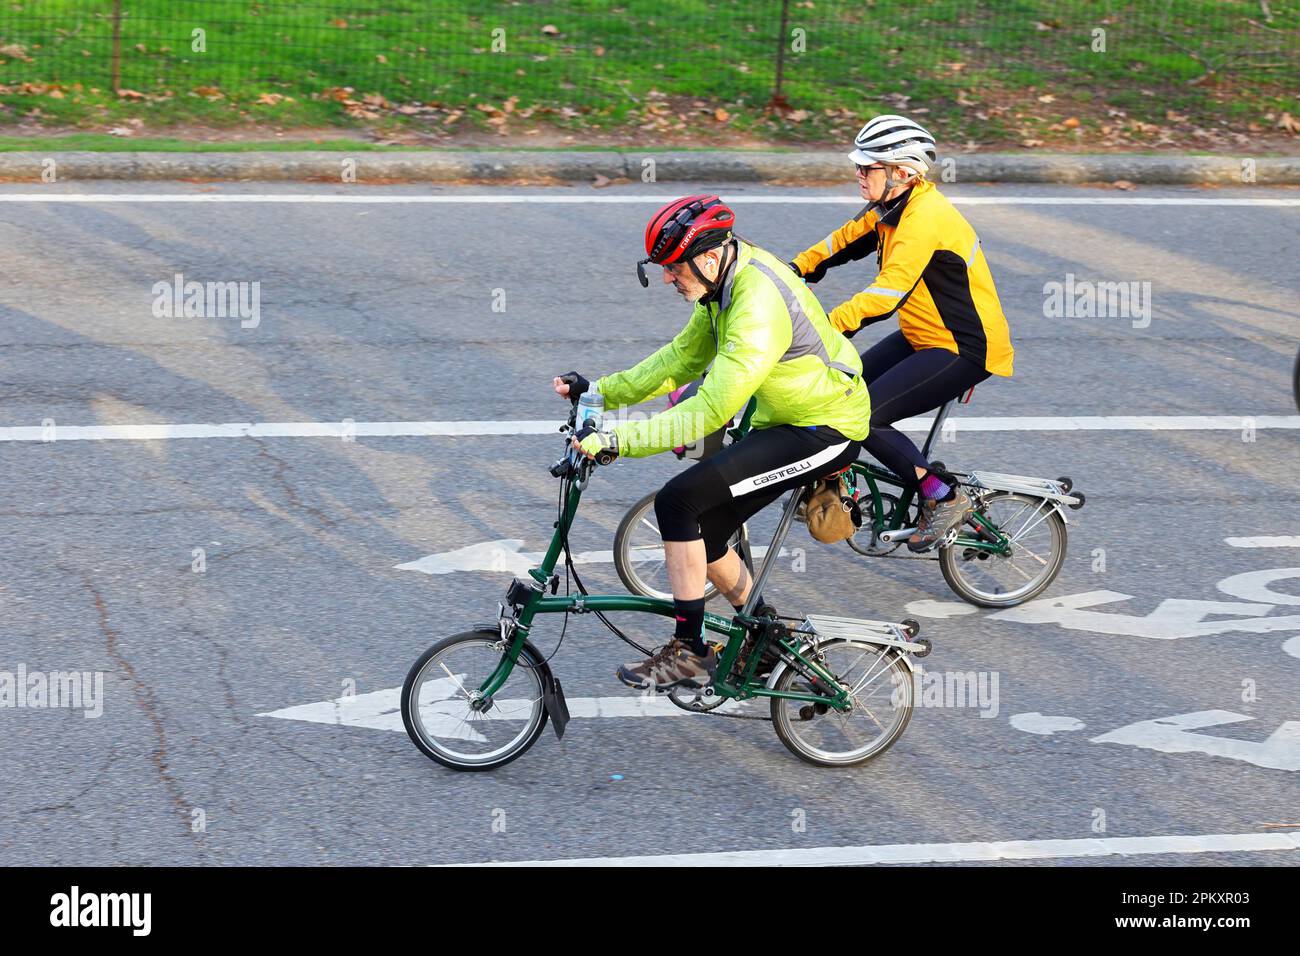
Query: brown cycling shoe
{"points": [[673, 665], [938, 518]]}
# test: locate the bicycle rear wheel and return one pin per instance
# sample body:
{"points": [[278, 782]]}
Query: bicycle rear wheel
{"points": [[1038, 540], [450, 724], [639, 553], [880, 686]]}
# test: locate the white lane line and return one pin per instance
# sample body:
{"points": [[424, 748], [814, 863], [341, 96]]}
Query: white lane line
{"points": [[504, 555], [434, 429], [1266, 541], [950, 852], [586, 200], [381, 709]]}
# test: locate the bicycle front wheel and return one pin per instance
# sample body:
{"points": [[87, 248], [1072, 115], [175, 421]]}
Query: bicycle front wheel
{"points": [[447, 720], [880, 688], [1037, 533]]}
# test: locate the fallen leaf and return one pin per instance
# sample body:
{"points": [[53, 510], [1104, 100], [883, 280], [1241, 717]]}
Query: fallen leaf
{"points": [[600, 181], [721, 115], [130, 95], [1047, 98], [551, 30], [340, 23], [380, 58], [1071, 122], [1124, 184], [1031, 143], [1289, 123]]}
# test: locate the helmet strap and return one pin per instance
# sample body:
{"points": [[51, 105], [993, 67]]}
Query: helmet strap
{"points": [[890, 185], [723, 265]]}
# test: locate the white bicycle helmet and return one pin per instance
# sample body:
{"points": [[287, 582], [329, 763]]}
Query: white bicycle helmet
{"points": [[895, 141]]}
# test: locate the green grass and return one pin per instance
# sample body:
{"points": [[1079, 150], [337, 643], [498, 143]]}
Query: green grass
{"points": [[612, 62], [104, 143]]}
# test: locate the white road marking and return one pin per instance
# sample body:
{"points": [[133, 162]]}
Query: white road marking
{"points": [[1254, 586], [1172, 619], [939, 609], [452, 429], [952, 852], [381, 709], [1292, 646], [1036, 723], [1173, 735], [587, 200], [1266, 541], [504, 555]]}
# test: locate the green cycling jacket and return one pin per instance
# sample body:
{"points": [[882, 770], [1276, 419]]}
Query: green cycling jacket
{"points": [[767, 336]]}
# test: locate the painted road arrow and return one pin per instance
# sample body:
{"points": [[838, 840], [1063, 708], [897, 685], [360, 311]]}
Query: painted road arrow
{"points": [[381, 709], [1173, 735]]}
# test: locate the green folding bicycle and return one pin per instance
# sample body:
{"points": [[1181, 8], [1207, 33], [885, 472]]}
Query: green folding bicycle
{"points": [[840, 690], [1007, 552]]}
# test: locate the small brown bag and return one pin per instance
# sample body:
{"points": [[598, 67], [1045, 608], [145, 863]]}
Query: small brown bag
{"points": [[831, 516]]}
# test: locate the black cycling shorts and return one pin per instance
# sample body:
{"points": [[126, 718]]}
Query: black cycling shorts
{"points": [[714, 497]]}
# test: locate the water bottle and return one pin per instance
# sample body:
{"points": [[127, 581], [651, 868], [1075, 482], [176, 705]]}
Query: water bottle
{"points": [[591, 409]]}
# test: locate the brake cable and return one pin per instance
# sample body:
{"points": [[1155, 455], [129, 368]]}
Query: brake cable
{"points": [[582, 589]]}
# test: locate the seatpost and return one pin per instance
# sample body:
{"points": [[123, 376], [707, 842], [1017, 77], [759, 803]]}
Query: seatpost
{"points": [[940, 417], [769, 559]]}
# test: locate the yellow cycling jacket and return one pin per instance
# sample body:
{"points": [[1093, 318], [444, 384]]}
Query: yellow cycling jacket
{"points": [[766, 336], [932, 273]]}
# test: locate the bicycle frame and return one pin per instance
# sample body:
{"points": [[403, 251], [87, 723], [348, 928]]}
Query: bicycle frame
{"points": [[529, 598], [990, 538]]}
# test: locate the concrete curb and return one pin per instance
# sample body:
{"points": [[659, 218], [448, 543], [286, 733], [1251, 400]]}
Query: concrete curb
{"points": [[668, 167]]}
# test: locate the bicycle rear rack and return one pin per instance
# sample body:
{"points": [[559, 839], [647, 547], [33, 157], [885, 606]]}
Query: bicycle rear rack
{"points": [[883, 633], [1021, 484]]}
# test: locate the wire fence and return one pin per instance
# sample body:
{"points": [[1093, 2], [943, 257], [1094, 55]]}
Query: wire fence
{"points": [[595, 54]]}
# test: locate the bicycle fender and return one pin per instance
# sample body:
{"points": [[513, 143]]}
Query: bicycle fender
{"points": [[553, 701]]}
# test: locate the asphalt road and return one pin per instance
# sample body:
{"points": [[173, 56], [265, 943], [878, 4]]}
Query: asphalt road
{"points": [[385, 313]]}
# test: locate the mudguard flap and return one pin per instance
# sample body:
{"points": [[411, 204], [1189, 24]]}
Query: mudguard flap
{"points": [[553, 700]]}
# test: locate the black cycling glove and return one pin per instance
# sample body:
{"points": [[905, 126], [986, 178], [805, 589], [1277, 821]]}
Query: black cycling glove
{"points": [[577, 384]]}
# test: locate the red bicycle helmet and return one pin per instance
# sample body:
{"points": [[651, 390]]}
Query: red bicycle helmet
{"points": [[683, 229]]}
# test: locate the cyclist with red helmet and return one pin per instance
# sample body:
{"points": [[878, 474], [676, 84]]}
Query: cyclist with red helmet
{"points": [[766, 336]]}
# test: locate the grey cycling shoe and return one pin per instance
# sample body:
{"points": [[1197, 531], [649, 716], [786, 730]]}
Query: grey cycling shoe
{"points": [[938, 518]]}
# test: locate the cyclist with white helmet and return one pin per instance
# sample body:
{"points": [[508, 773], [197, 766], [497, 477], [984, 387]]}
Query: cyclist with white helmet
{"points": [[932, 273]]}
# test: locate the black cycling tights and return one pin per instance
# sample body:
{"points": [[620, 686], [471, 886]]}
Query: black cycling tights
{"points": [[715, 496], [904, 382]]}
